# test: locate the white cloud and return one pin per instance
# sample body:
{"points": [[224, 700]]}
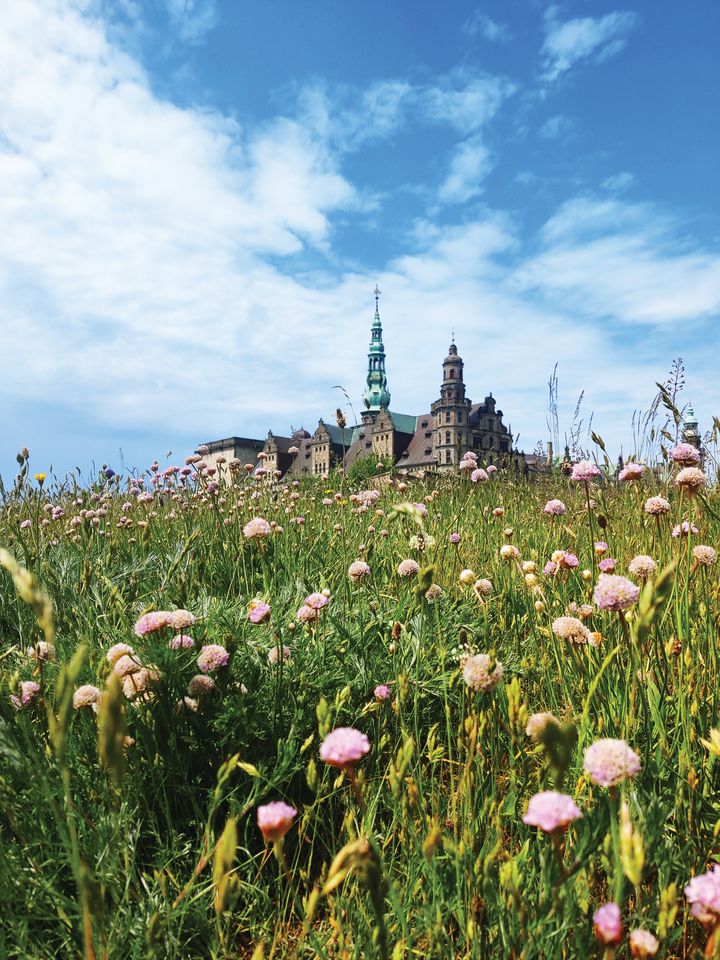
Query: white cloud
{"points": [[490, 29], [619, 182], [556, 128], [192, 19], [584, 38], [469, 165]]}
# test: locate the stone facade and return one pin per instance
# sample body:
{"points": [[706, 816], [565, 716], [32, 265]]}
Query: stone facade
{"points": [[428, 443]]}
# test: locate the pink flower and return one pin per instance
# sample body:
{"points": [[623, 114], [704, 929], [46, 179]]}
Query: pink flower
{"points": [[212, 657], [554, 508], [703, 892], [275, 654], [408, 568], [86, 696], [180, 619], [492, 468], [357, 570], [117, 651], [454, 538], [551, 811], [316, 601], [344, 747], [643, 944], [584, 470], [704, 555], [478, 675], [29, 689], [258, 611], [275, 819], [305, 613], [550, 568], [684, 528], [200, 685], [382, 692], [152, 622], [642, 566], [479, 476], [257, 528], [181, 642], [607, 565], [608, 762], [607, 923], [600, 547], [568, 561], [615, 593], [571, 629], [656, 506], [691, 479], [631, 471], [685, 454]]}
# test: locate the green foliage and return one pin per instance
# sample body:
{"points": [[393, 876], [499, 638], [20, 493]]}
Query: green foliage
{"points": [[128, 827], [365, 468]]}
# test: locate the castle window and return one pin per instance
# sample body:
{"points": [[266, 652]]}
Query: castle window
{"points": [[447, 436], [447, 416], [428, 451], [447, 456], [452, 374], [424, 424]]}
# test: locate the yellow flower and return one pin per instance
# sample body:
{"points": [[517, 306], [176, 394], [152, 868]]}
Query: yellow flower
{"points": [[40, 477]]}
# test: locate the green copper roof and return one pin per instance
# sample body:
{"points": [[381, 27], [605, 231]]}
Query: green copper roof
{"points": [[403, 422], [376, 395]]}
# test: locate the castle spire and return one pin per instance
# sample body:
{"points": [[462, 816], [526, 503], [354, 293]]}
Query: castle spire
{"points": [[376, 396]]}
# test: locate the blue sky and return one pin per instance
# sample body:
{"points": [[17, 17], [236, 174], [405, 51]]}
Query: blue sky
{"points": [[197, 198]]}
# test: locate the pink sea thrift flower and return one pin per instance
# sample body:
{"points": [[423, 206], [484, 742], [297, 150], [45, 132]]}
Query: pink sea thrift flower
{"points": [[685, 454], [257, 529], [703, 892], [258, 611], [305, 614], [607, 565], [344, 747], [615, 593], [86, 696], [275, 819], [478, 675], [29, 689], [200, 685], [607, 923], [568, 561], [137, 683], [181, 619], [483, 588], [684, 528], [631, 471], [181, 642], [643, 944], [608, 762], [492, 468], [357, 570], [382, 692], [479, 475], [408, 568], [571, 629], [584, 470], [555, 508], [454, 538], [274, 655], [550, 568], [691, 479], [642, 567], [316, 601], [152, 622], [537, 724], [126, 664], [117, 651], [551, 811], [600, 547], [657, 506], [704, 555], [212, 657]]}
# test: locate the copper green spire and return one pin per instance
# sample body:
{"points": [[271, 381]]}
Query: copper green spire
{"points": [[376, 395]]}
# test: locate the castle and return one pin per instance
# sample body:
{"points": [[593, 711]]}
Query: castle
{"points": [[432, 442]]}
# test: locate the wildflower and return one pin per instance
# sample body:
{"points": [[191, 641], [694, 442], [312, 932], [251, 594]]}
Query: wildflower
{"points": [[657, 506], [138, 682], [551, 811], [44, 652], [454, 538], [344, 747], [29, 689], [584, 470], [357, 570], [467, 576], [608, 762], [200, 685], [538, 723], [212, 657], [550, 568], [705, 556], [684, 528], [685, 454], [492, 468], [25, 524], [479, 476], [567, 561], [275, 654], [478, 675], [642, 567], [615, 593], [257, 529], [316, 601], [151, 622], [483, 588], [643, 944], [258, 611], [554, 508], [499, 512], [529, 566], [607, 565], [382, 692], [607, 923], [600, 547], [117, 651], [181, 642], [631, 471], [305, 614], [125, 665], [691, 479], [408, 568], [703, 892], [509, 552], [275, 819], [572, 629], [86, 696]]}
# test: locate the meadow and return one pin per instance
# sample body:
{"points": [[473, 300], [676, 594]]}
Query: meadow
{"points": [[465, 717]]}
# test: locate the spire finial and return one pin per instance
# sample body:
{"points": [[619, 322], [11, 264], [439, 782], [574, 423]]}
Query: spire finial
{"points": [[452, 339]]}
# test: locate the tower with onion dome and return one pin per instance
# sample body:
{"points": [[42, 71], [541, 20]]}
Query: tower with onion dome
{"points": [[376, 396], [691, 432]]}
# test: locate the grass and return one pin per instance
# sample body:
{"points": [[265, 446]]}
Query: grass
{"points": [[152, 849]]}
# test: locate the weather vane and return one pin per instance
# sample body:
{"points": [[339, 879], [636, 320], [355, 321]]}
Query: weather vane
{"points": [[377, 291]]}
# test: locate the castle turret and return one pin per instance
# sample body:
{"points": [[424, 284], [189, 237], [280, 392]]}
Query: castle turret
{"points": [[376, 396], [691, 433], [451, 413]]}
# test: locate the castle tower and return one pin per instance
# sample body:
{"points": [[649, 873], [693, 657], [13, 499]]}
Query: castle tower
{"points": [[376, 396], [690, 433], [451, 414]]}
